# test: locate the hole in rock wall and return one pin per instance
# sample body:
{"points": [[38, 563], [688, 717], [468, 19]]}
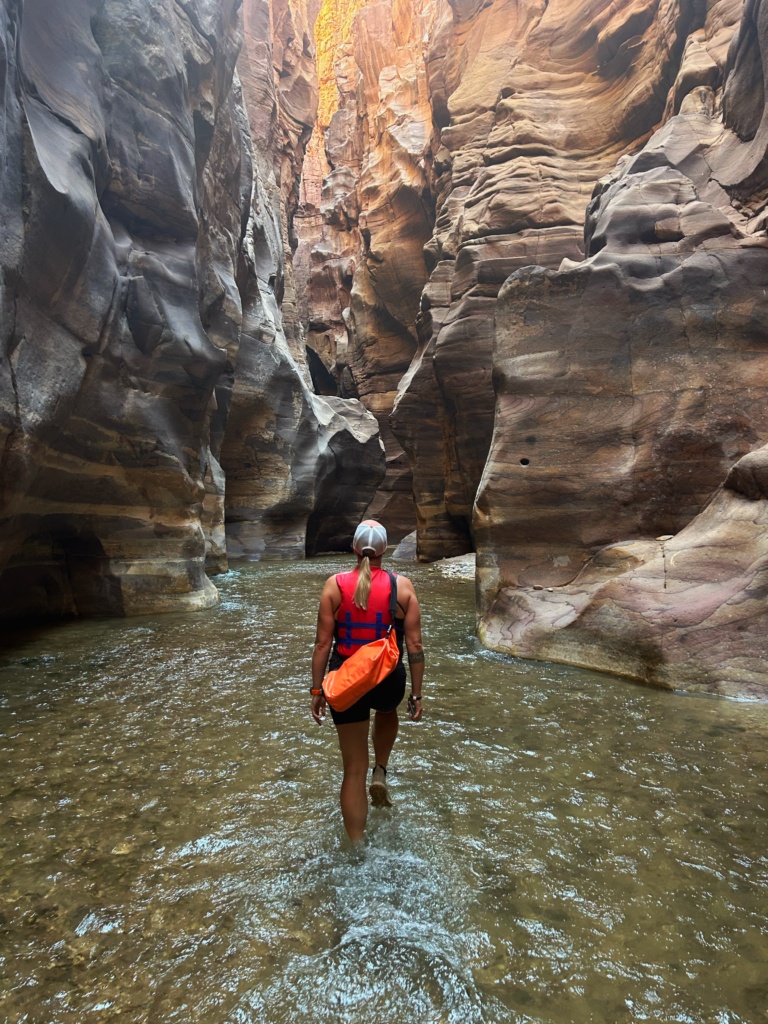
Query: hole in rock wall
{"points": [[323, 382]]}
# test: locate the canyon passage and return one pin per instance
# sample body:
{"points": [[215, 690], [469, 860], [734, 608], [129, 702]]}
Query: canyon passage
{"points": [[490, 272], [563, 847], [495, 274]]}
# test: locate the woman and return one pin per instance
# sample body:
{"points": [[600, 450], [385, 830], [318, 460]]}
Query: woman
{"points": [[349, 604]]}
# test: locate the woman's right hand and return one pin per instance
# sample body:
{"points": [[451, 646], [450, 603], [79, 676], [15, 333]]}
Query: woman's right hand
{"points": [[414, 709]]}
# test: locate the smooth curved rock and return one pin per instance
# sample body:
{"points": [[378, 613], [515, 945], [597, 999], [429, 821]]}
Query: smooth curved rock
{"points": [[628, 386], [687, 612], [146, 227], [300, 469], [535, 103], [120, 316]]}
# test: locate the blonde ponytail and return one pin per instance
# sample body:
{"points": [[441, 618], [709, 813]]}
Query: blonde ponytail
{"points": [[363, 588]]}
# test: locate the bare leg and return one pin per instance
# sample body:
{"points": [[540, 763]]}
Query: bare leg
{"points": [[353, 740], [385, 726]]}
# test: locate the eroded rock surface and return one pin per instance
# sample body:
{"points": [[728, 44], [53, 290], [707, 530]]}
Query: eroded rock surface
{"points": [[628, 385], [143, 235], [121, 136], [535, 103], [300, 468], [682, 612], [368, 214]]}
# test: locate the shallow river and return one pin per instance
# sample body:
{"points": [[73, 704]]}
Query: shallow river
{"points": [[564, 847]]}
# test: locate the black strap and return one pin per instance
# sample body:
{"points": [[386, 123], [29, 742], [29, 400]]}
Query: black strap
{"points": [[392, 598]]}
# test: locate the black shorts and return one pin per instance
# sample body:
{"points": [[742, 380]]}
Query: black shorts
{"points": [[384, 697]]}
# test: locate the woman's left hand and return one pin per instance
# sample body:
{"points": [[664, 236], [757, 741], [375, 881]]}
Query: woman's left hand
{"points": [[318, 707]]}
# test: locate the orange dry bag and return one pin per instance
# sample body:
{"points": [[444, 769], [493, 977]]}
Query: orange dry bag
{"points": [[367, 666]]}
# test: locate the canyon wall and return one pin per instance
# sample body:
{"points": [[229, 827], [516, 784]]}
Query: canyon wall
{"points": [[300, 469], [535, 103], [514, 298], [588, 364], [143, 272], [367, 214], [620, 518]]}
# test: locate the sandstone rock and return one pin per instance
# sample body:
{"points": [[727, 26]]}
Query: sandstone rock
{"points": [[628, 384], [122, 128], [277, 67], [688, 613], [406, 549], [145, 225], [366, 268], [535, 103], [300, 469]]}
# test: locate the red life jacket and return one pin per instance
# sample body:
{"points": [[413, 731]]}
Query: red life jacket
{"points": [[357, 626]]}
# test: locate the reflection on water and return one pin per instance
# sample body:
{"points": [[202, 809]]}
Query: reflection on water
{"points": [[564, 847]]}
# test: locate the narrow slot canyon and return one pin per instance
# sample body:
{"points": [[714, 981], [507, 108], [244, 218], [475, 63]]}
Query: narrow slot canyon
{"points": [[493, 274], [271, 267]]}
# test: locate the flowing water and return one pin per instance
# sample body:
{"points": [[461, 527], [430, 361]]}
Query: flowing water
{"points": [[564, 847]]}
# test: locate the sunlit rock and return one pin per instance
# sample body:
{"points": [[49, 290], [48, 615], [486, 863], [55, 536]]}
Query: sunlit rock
{"points": [[364, 260], [300, 469]]}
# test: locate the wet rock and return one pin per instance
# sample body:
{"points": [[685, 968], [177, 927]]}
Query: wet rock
{"points": [[406, 549]]}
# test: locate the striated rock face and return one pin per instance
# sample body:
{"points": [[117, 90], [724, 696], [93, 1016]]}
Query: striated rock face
{"points": [[688, 612], [300, 469], [628, 386], [535, 103], [142, 228], [367, 215], [121, 137], [277, 69]]}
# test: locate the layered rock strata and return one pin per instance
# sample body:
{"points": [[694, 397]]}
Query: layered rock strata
{"points": [[535, 103], [369, 215], [138, 233], [630, 385]]}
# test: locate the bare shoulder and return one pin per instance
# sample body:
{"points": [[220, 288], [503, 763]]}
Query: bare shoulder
{"points": [[405, 589]]}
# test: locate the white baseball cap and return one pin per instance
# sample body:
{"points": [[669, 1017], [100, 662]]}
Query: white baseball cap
{"points": [[370, 539]]}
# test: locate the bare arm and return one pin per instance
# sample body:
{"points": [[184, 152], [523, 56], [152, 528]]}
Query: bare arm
{"points": [[406, 596], [329, 603]]}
